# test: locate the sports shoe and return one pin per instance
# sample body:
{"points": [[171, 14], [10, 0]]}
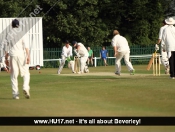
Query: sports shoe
{"points": [[79, 72], [117, 73], [132, 72], [16, 97], [26, 94]]}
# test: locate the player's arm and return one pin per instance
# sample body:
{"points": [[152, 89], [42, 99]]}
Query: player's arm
{"points": [[163, 41], [27, 55], [76, 50], [26, 47], [158, 41], [114, 44], [6, 51], [6, 61], [71, 54], [115, 51]]}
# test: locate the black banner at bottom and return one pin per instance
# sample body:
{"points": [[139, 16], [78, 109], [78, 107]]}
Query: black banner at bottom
{"points": [[89, 121]]}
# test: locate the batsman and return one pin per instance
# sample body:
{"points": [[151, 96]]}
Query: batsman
{"points": [[83, 54]]}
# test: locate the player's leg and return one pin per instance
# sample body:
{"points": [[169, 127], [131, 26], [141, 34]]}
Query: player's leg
{"points": [[72, 63], [165, 62], [92, 63], [24, 70], [88, 60], [105, 62], [62, 64], [118, 63], [83, 63], [127, 62], [14, 76], [172, 65]]}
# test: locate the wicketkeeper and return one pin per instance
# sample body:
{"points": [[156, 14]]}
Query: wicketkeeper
{"points": [[66, 54], [83, 54]]}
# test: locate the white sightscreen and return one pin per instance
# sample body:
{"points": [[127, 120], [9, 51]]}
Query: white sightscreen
{"points": [[32, 26]]}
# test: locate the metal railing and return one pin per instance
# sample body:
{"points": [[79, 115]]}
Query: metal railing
{"points": [[139, 55]]}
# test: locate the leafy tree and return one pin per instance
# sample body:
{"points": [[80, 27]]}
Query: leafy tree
{"points": [[92, 21]]}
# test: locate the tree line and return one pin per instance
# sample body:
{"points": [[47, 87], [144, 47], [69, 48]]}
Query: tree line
{"points": [[92, 21]]}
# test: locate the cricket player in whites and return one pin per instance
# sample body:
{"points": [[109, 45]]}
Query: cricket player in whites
{"points": [[81, 51], [66, 54], [17, 47], [164, 58], [121, 50]]}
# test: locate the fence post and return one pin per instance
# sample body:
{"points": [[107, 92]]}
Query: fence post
{"points": [[95, 61]]}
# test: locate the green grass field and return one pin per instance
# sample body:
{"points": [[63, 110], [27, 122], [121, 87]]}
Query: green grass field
{"points": [[99, 93]]}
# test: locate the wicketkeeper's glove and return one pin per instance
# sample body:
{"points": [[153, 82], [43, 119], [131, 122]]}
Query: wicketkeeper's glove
{"points": [[68, 59], [156, 47]]}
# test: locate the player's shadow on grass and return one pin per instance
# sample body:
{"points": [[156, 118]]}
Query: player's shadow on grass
{"points": [[3, 98]]}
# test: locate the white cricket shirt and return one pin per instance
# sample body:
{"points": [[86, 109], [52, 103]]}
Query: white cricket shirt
{"points": [[16, 42], [168, 38], [82, 51], [67, 52], [120, 42]]}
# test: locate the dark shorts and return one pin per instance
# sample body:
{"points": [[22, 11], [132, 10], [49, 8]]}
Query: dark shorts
{"points": [[104, 58], [90, 57]]}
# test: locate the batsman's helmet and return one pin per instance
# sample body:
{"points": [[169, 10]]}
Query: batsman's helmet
{"points": [[74, 42]]}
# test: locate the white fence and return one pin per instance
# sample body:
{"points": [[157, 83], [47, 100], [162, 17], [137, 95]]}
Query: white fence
{"points": [[32, 26], [132, 57]]}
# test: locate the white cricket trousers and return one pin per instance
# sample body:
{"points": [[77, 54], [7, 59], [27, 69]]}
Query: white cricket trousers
{"points": [[83, 61], [164, 58], [72, 63], [125, 55], [18, 63], [63, 59]]}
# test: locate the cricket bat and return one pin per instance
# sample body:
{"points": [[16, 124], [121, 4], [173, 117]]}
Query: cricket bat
{"points": [[150, 62]]}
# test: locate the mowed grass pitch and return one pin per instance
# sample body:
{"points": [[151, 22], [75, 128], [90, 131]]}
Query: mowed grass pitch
{"points": [[99, 93]]}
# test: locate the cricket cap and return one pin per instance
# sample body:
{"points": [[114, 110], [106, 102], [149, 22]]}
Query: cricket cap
{"points": [[66, 41], [15, 23]]}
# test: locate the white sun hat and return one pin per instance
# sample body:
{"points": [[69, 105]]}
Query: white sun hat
{"points": [[170, 21]]}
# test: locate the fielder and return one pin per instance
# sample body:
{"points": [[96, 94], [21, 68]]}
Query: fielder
{"points": [[17, 48], [83, 54], [66, 54], [164, 58]]}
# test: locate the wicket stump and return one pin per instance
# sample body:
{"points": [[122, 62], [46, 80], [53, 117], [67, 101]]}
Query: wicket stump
{"points": [[77, 64], [156, 64]]}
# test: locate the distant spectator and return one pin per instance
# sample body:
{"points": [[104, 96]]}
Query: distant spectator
{"points": [[90, 57], [104, 55]]}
